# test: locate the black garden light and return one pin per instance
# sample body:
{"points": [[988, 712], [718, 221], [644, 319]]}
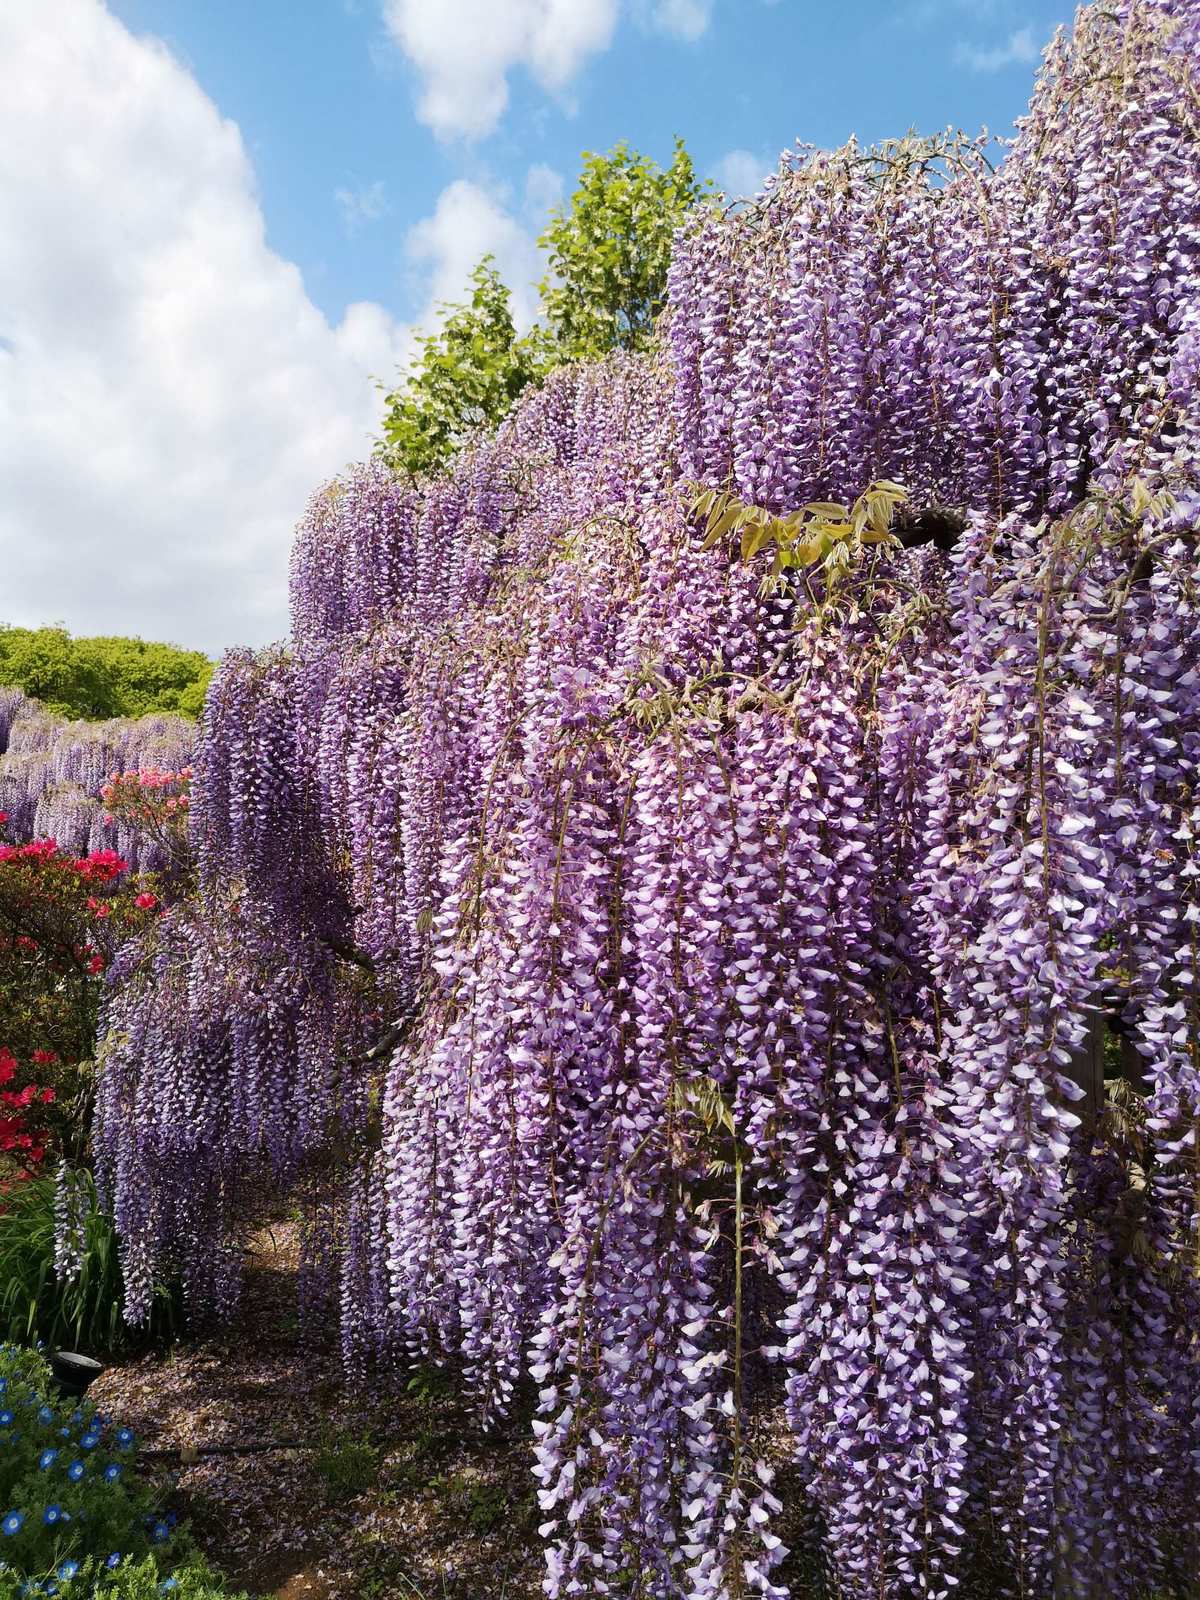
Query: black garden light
{"points": [[73, 1373]]}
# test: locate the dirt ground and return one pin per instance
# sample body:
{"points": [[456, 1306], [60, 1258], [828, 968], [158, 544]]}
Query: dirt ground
{"points": [[395, 1499]]}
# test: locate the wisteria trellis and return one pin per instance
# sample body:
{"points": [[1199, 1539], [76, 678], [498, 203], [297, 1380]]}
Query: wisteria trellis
{"points": [[734, 945]]}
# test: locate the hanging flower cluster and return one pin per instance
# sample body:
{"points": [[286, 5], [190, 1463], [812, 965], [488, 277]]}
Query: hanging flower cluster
{"points": [[987, 338], [716, 1002], [234, 997]]}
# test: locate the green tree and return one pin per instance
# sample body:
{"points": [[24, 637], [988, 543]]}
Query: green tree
{"points": [[105, 676], [59, 671], [151, 676], [466, 376], [609, 251]]}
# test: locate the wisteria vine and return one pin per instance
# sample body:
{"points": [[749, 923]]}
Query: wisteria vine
{"points": [[751, 1021]]}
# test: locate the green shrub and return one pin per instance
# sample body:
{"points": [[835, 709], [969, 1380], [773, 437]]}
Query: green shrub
{"points": [[69, 1490], [84, 1312]]}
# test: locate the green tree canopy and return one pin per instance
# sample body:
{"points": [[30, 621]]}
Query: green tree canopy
{"points": [[465, 376], [104, 676], [608, 252]]}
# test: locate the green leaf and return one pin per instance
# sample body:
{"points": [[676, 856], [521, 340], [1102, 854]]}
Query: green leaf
{"points": [[723, 521], [756, 538]]}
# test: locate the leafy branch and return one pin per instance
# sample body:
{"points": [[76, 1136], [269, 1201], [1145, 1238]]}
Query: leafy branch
{"points": [[822, 533]]}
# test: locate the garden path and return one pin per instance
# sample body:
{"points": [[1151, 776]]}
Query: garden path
{"points": [[394, 1498]]}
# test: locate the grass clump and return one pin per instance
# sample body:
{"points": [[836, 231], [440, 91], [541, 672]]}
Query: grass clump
{"points": [[80, 1312]]}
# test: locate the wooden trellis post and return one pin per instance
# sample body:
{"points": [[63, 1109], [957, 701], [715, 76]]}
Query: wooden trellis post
{"points": [[1093, 1054], [1087, 1063]]}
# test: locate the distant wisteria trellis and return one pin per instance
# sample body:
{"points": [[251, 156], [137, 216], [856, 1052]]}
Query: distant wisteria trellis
{"points": [[52, 772], [676, 983]]}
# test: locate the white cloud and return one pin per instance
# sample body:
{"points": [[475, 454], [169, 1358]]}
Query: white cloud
{"points": [[367, 203], [169, 394], [740, 173], [543, 193], [467, 224], [372, 339], [686, 19], [465, 50], [1021, 49]]}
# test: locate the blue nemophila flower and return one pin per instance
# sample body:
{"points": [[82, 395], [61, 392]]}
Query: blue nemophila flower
{"points": [[112, 1472], [159, 1533], [52, 1515], [77, 1416], [113, 1560], [68, 1569], [64, 1433], [89, 1441], [124, 1437], [75, 1471], [6, 1417], [167, 1585], [47, 1459], [45, 1416], [12, 1522]]}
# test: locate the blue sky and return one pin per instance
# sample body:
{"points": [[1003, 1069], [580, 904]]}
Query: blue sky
{"points": [[327, 101], [222, 220]]}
